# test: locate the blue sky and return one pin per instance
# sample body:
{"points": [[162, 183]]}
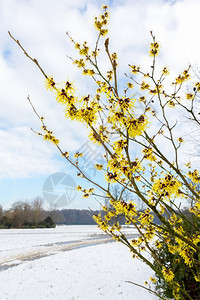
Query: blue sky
{"points": [[26, 160]]}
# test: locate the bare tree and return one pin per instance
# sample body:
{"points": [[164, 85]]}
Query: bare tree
{"points": [[37, 211], [1, 211]]}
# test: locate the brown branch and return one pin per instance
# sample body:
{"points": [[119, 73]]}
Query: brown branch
{"points": [[147, 289], [34, 60], [113, 63]]}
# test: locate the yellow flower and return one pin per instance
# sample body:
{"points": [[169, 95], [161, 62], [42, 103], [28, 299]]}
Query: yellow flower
{"points": [[85, 72], [146, 217], [180, 140], [148, 154], [104, 208], [50, 137], [197, 86], [154, 49], [91, 72], [153, 92], [167, 186], [65, 154], [99, 166], [142, 99], [80, 63], [184, 76], [135, 69], [50, 83], [195, 176], [77, 46], [114, 56], [171, 103], [173, 248], [165, 71], [168, 274], [78, 154], [130, 85], [101, 22], [86, 195], [189, 96], [197, 278], [158, 244], [154, 280], [136, 126], [84, 50], [144, 86]]}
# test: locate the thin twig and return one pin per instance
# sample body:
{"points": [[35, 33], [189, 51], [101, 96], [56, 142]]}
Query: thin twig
{"points": [[34, 60]]}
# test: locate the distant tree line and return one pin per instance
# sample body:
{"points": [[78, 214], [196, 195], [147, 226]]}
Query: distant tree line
{"points": [[30, 214], [26, 214], [73, 216], [82, 217]]}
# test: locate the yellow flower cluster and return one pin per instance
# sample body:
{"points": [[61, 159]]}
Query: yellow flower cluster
{"points": [[49, 83], [194, 176], [171, 103], [78, 154], [144, 86], [146, 217], [100, 136], [64, 94], [119, 145], [173, 220], [80, 63], [121, 114], [87, 113], [84, 49], [99, 166], [135, 69], [183, 249], [196, 209], [86, 192], [49, 136], [128, 209], [102, 22], [119, 167], [124, 104], [148, 154], [102, 224], [136, 126], [154, 49], [184, 76], [176, 290], [167, 187], [65, 154], [168, 274]]}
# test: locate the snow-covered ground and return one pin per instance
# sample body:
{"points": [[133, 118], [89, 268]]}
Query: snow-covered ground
{"points": [[68, 262]]}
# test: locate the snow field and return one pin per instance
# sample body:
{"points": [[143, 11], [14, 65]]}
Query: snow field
{"points": [[88, 273]]}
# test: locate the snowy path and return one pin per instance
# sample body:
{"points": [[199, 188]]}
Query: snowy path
{"points": [[14, 260], [19, 245]]}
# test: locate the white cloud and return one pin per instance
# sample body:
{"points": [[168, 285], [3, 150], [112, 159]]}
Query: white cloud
{"points": [[41, 26], [24, 155]]}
